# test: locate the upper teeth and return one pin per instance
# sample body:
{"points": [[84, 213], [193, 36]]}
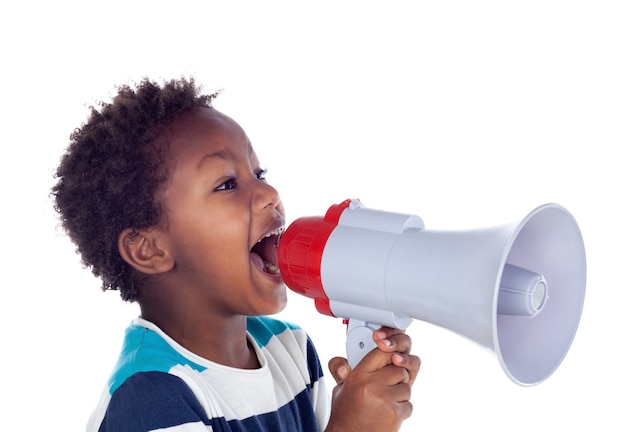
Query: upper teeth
{"points": [[277, 232]]}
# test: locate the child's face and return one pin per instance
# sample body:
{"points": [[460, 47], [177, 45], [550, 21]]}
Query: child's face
{"points": [[218, 208]]}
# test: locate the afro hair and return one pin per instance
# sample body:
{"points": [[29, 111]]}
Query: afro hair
{"points": [[110, 173]]}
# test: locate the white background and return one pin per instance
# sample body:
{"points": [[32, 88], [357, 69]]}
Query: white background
{"points": [[467, 113]]}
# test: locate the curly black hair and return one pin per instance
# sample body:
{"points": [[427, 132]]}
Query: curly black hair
{"points": [[109, 176]]}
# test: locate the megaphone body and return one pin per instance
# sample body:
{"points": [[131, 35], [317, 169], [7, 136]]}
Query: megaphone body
{"points": [[516, 289]]}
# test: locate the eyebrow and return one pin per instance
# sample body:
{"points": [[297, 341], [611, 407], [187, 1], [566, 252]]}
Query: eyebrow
{"points": [[221, 154]]}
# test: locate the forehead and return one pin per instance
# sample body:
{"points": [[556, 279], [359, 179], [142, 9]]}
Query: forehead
{"points": [[204, 131]]}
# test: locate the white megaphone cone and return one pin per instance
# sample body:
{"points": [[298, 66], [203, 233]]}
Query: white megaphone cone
{"points": [[516, 289]]}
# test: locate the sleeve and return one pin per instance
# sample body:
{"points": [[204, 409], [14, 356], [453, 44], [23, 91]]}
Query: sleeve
{"points": [[320, 394], [151, 401]]}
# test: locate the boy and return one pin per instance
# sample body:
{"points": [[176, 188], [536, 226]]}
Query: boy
{"points": [[165, 200]]}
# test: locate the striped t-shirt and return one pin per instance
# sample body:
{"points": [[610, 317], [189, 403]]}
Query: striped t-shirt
{"points": [[159, 385]]}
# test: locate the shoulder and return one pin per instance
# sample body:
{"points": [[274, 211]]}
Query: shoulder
{"points": [[263, 328], [146, 349], [150, 401], [269, 332]]}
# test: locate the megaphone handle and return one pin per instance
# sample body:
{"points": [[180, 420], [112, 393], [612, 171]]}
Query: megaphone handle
{"points": [[359, 340]]}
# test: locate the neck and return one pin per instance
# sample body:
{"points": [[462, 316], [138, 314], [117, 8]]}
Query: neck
{"points": [[220, 339]]}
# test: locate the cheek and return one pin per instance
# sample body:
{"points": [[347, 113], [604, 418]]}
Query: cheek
{"points": [[225, 240], [209, 231]]}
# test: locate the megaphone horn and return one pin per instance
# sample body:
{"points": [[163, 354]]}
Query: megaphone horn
{"points": [[516, 289]]}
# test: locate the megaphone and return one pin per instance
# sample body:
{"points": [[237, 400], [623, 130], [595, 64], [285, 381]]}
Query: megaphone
{"points": [[516, 289]]}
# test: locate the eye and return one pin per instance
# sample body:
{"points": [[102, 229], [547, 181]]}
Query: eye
{"points": [[229, 184], [260, 174]]}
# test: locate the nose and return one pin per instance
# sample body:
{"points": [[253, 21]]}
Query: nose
{"points": [[266, 197]]}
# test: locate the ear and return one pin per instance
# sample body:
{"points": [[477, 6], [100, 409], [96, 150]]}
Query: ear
{"points": [[145, 250]]}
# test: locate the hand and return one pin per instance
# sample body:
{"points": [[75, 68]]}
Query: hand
{"points": [[396, 341], [375, 395]]}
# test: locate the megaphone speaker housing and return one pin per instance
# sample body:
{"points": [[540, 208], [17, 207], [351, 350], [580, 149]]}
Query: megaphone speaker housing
{"points": [[453, 279]]}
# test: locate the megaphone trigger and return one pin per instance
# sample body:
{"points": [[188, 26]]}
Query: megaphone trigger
{"points": [[359, 340]]}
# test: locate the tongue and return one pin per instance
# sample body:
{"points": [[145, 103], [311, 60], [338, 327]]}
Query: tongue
{"points": [[257, 261], [264, 253]]}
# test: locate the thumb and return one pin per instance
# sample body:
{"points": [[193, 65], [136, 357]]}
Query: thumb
{"points": [[339, 369]]}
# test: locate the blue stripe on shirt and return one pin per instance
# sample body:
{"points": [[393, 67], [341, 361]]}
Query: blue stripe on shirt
{"points": [[152, 400], [156, 400], [143, 351], [263, 328]]}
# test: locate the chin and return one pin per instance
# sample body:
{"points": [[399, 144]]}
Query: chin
{"points": [[280, 300], [271, 302]]}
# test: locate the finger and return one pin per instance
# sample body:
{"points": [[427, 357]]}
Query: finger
{"points": [[393, 375], [398, 390], [339, 369], [411, 363], [375, 360], [404, 409], [400, 393], [388, 341], [399, 396], [386, 332], [393, 342]]}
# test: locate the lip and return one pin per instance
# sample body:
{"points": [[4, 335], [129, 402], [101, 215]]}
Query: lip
{"points": [[264, 252]]}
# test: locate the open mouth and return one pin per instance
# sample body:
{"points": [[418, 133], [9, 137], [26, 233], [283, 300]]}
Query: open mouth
{"points": [[264, 254]]}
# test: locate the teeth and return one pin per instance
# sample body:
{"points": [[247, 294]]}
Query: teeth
{"points": [[271, 268], [276, 232]]}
